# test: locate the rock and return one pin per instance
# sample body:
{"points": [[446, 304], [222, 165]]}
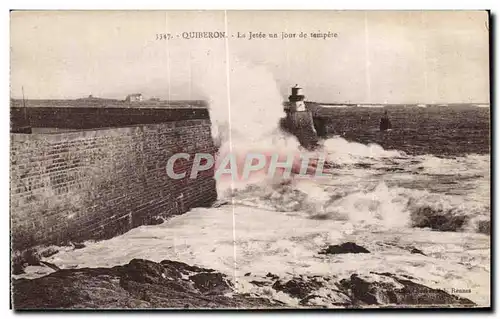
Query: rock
{"points": [[381, 289], [138, 284], [247, 274], [297, 287], [17, 268], [307, 300], [219, 203], [78, 245], [389, 289], [145, 271], [210, 283], [438, 219], [49, 251], [171, 284], [272, 276], [182, 267], [21, 259], [49, 265], [32, 257], [417, 251], [154, 220], [344, 248], [333, 299], [359, 290], [484, 227]]}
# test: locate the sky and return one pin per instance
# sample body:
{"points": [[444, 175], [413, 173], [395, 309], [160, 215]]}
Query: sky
{"points": [[377, 56]]}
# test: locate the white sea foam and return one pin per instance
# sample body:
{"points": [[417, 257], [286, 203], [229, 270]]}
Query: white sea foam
{"points": [[287, 245], [341, 151], [245, 115]]}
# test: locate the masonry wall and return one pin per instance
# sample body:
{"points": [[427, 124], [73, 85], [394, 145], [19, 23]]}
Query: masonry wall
{"points": [[95, 117], [100, 183]]}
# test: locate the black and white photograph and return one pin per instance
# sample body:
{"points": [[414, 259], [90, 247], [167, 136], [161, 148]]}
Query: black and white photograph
{"points": [[236, 159]]}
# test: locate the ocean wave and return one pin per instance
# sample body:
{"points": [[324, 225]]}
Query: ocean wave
{"points": [[338, 144], [387, 207], [471, 164], [442, 194]]}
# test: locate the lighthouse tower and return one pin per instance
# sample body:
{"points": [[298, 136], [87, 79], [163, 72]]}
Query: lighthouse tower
{"points": [[299, 120], [296, 100]]}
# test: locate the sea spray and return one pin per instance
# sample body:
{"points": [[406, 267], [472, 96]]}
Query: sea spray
{"points": [[245, 112], [247, 108], [341, 151]]}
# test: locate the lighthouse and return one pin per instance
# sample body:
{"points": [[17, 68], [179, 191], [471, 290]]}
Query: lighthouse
{"points": [[296, 100], [299, 120]]}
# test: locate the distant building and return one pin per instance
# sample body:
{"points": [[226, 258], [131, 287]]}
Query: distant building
{"points": [[134, 97]]}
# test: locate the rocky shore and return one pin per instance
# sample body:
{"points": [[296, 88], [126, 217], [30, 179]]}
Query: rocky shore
{"points": [[172, 284]]}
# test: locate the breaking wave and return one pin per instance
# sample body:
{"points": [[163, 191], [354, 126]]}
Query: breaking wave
{"points": [[341, 151], [387, 207], [369, 186], [442, 194]]}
